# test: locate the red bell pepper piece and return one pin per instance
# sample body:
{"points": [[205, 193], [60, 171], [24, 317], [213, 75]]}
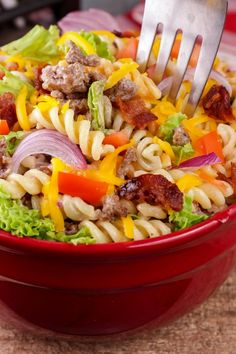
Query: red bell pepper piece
{"points": [[89, 190]]}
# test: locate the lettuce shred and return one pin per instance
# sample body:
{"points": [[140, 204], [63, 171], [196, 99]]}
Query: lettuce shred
{"points": [[172, 122], [183, 152], [13, 84], [100, 46], [186, 217], [24, 222], [96, 105], [83, 236], [13, 139], [39, 44]]}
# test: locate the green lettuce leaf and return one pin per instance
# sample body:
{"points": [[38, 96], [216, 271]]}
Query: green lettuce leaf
{"points": [[100, 46], [83, 236], [38, 44], [13, 84], [13, 139], [172, 122], [96, 105], [186, 217], [22, 221], [183, 152]]}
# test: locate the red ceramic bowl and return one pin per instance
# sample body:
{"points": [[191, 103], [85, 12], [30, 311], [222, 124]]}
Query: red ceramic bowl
{"points": [[111, 288]]}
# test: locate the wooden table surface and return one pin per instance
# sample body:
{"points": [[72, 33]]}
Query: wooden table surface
{"points": [[210, 329]]}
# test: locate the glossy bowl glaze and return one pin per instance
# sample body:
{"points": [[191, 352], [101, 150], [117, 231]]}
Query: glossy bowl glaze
{"points": [[112, 288]]}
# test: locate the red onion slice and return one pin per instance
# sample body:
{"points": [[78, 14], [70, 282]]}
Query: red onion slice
{"points": [[215, 75], [48, 142], [126, 24], [166, 83], [93, 19], [201, 161]]}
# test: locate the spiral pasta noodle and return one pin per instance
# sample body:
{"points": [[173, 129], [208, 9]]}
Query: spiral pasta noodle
{"points": [[161, 171], [31, 182], [91, 142], [105, 231], [117, 123], [228, 136], [208, 195], [146, 87], [76, 209], [150, 155], [151, 211]]}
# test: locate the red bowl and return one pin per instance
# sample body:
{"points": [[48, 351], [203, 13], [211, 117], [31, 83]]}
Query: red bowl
{"points": [[112, 288]]}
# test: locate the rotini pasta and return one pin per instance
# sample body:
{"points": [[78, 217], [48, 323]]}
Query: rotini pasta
{"points": [[31, 182], [147, 88], [117, 123], [228, 136], [208, 194], [151, 211], [105, 231], [91, 142], [150, 155], [76, 209]]}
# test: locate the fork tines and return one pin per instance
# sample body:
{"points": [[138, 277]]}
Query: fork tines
{"points": [[194, 18]]}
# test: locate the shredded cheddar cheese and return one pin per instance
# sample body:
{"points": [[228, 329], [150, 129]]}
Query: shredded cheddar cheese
{"points": [[21, 111], [49, 204], [107, 34], [187, 182], [128, 226], [78, 40], [166, 147], [117, 75]]}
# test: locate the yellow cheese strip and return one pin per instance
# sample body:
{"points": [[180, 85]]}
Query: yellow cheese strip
{"points": [[128, 225], [21, 112], [117, 75], [78, 40], [187, 182]]}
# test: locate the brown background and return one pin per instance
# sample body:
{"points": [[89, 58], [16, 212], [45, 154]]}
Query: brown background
{"points": [[210, 329]]}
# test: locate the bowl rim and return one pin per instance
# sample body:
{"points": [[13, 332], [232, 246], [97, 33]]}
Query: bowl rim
{"points": [[122, 249]]}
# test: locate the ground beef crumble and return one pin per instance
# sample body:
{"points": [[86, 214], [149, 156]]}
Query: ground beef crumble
{"points": [[125, 89], [66, 79], [180, 136], [95, 76], [112, 208], [26, 200], [75, 55], [126, 168], [5, 160], [71, 227], [80, 106]]}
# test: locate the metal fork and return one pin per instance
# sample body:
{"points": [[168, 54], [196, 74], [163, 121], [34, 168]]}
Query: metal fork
{"points": [[195, 18]]}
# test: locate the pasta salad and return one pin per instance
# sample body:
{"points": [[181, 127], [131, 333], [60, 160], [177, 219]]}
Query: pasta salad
{"points": [[92, 151]]}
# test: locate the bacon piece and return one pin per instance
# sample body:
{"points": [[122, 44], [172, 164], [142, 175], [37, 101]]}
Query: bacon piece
{"points": [[8, 108], [135, 113], [153, 189], [216, 103]]}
